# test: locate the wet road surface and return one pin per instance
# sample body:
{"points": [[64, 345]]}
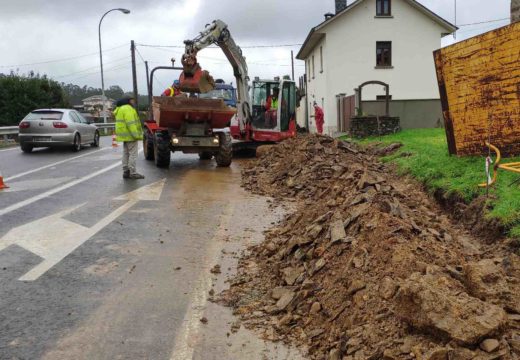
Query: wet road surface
{"points": [[95, 267]]}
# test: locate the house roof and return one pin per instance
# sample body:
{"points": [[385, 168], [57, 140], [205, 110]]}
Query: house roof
{"points": [[315, 36], [97, 97]]}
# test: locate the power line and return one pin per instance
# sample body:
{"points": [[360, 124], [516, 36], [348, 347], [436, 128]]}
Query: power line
{"points": [[93, 67], [61, 60], [216, 47], [484, 22], [219, 60], [141, 56], [115, 68]]}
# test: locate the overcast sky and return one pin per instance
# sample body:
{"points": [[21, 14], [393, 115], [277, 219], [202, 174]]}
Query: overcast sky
{"points": [[36, 33]]}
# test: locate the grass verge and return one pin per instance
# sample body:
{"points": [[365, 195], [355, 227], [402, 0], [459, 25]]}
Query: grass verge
{"points": [[430, 163]]}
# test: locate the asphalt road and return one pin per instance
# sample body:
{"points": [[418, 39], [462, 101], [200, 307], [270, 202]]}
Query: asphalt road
{"points": [[96, 267]]}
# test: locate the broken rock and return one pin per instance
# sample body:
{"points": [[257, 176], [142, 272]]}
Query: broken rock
{"points": [[285, 300], [438, 304], [490, 345], [337, 231]]}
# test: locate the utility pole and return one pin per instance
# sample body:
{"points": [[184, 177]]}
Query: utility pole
{"points": [[292, 64], [148, 88], [455, 32], [124, 11], [134, 74]]}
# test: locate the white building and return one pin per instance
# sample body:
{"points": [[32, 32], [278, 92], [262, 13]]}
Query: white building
{"points": [[386, 40], [94, 105]]}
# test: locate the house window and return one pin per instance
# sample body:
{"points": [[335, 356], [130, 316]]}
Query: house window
{"points": [[384, 53], [383, 8], [309, 69], [321, 59], [383, 97], [313, 69]]}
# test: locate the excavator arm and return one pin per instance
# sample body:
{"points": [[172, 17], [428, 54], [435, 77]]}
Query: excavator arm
{"points": [[194, 79]]}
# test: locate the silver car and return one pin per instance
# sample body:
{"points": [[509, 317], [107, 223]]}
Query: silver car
{"points": [[56, 127]]}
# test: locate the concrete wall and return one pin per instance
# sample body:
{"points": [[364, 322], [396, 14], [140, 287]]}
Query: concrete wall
{"points": [[515, 11], [414, 114], [349, 53]]}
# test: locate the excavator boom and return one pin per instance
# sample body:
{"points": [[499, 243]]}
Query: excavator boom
{"points": [[194, 79]]}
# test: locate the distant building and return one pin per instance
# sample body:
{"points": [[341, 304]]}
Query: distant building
{"points": [[391, 41], [94, 105]]}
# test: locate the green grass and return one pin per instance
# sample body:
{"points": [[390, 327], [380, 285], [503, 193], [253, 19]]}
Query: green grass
{"points": [[431, 164]]}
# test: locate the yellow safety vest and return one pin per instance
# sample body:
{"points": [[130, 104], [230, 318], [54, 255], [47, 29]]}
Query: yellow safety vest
{"points": [[274, 103], [172, 91], [128, 124]]}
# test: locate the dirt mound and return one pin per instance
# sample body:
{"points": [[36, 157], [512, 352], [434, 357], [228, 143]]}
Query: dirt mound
{"points": [[367, 267]]}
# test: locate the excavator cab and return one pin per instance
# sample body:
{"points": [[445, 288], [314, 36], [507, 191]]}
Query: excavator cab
{"points": [[265, 93]]}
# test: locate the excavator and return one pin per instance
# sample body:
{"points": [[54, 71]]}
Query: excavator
{"points": [[194, 124]]}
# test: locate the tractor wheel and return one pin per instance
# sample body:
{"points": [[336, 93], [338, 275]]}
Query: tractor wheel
{"points": [[225, 152], [162, 152], [205, 155], [148, 147]]}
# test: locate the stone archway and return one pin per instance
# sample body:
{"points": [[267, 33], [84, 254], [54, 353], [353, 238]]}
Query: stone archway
{"points": [[387, 96]]}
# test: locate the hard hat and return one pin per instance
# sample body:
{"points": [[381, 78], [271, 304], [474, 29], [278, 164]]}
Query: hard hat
{"points": [[176, 83]]}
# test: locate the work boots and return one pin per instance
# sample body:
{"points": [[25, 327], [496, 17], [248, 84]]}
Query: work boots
{"points": [[134, 176]]}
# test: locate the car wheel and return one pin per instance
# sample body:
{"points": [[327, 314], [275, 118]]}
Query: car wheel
{"points": [[76, 146], [26, 148], [96, 140]]}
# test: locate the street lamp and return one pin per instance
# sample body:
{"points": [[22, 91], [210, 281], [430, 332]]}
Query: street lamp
{"points": [[124, 11]]}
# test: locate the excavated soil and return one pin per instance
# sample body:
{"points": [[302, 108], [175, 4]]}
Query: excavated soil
{"points": [[367, 266]]}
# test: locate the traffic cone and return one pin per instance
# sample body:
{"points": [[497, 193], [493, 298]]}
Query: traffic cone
{"points": [[2, 184], [114, 142]]}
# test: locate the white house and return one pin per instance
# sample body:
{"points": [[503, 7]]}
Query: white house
{"points": [[94, 105], [385, 40]]}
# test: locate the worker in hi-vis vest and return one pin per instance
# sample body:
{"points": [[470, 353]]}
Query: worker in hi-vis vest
{"points": [[271, 109], [173, 90], [130, 132]]}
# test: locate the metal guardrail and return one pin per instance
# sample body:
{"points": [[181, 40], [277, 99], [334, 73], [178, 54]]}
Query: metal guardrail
{"points": [[8, 130], [13, 130]]}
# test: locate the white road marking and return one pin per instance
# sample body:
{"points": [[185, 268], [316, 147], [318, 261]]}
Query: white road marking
{"points": [[36, 184], [48, 193], [185, 340], [53, 238], [51, 165], [10, 149]]}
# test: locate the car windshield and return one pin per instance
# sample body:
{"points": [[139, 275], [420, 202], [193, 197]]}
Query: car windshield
{"points": [[44, 115], [226, 94]]}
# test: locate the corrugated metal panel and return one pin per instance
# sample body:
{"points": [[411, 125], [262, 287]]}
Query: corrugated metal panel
{"points": [[479, 84]]}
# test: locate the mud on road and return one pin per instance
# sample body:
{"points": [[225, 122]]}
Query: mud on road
{"points": [[368, 266]]}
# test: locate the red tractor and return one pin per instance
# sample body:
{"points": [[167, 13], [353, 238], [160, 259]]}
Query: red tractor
{"points": [[193, 124]]}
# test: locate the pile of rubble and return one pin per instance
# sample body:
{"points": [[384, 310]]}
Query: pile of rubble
{"points": [[367, 267]]}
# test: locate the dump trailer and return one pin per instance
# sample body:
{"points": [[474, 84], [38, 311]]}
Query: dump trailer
{"points": [[191, 126], [479, 84]]}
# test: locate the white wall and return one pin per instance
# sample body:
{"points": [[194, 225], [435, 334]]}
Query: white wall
{"points": [[316, 81], [350, 56]]}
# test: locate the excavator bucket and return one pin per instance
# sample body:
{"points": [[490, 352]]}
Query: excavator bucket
{"points": [[200, 81]]}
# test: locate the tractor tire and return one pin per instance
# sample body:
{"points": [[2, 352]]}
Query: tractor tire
{"points": [[205, 155], [162, 152], [224, 155], [148, 147]]}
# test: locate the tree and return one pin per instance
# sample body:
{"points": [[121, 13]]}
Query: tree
{"points": [[20, 94]]}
